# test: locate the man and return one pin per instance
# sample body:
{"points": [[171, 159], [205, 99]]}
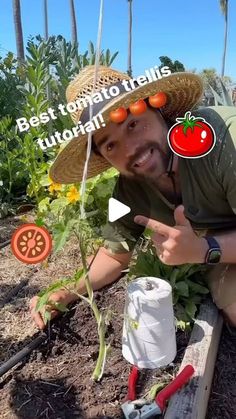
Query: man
{"points": [[189, 204]]}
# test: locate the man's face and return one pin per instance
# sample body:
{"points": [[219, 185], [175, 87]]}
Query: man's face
{"points": [[136, 147]]}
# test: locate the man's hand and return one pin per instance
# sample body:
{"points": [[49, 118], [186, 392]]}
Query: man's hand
{"points": [[60, 296], [175, 245], [105, 269]]}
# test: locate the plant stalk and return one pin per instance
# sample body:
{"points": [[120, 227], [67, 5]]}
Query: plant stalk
{"points": [[98, 371]]}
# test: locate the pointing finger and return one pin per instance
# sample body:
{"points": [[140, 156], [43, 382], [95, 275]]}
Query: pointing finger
{"points": [[154, 225]]}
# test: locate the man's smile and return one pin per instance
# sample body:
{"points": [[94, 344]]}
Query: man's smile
{"points": [[144, 158]]}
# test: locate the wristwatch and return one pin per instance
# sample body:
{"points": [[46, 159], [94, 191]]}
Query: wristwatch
{"points": [[213, 254]]}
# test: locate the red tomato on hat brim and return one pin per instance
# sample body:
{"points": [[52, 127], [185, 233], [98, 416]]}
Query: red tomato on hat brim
{"points": [[158, 100], [139, 107], [118, 116]]}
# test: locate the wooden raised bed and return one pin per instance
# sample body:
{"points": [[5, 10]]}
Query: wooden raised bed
{"points": [[191, 401]]}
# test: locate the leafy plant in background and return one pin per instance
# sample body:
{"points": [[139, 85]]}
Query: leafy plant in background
{"points": [[222, 98], [11, 99], [217, 90], [54, 209], [187, 281], [34, 90], [48, 67], [12, 176]]}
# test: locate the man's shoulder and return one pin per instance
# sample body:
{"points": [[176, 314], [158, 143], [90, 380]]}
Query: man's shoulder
{"points": [[217, 116], [223, 121]]}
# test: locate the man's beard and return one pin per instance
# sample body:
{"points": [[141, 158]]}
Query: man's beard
{"points": [[163, 162]]}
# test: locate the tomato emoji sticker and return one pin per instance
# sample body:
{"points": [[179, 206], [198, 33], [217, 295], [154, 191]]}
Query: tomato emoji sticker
{"points": [[191, 137], [31, 244]]}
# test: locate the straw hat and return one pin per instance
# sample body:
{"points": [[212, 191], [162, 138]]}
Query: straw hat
{"points": [[183, 91]]}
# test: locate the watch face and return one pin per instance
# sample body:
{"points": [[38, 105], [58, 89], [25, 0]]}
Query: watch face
{"points": [[214, 256]]}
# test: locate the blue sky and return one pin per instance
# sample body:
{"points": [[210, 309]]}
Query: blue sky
{"points": [[190, 31]]}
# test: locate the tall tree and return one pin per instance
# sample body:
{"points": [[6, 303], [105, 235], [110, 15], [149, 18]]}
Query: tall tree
{"points": [[74, 38], [45, 13], [130, 12], [224, 8], [18, 30], [174, 66]]}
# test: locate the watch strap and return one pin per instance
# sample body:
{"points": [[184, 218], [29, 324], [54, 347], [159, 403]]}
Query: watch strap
{"points": [[212, 242], [213, 245]]}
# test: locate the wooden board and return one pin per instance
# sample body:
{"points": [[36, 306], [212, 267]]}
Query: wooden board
{"points": [[191, 401]]}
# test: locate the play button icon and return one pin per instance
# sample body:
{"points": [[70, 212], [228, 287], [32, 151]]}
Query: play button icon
{"points": [[116, 210]]}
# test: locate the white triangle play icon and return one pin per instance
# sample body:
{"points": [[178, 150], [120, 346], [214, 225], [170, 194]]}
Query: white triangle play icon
{"points": [[116, 210]]}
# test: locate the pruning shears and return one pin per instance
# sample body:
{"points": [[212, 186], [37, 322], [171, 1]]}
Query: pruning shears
{"points": [[140, 408]]}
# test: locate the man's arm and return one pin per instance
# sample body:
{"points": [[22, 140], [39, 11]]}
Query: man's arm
{"points": [[105, 269], [227, 242]]}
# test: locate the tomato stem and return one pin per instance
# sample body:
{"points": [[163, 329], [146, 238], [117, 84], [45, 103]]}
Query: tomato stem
{"points": [[189, 121]]}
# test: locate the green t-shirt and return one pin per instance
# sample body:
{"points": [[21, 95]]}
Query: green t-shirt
{"points": [[208, 188]]}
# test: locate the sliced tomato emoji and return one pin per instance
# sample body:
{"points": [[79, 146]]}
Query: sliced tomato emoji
{"points": [[31, 244], [138, 107], [119, 115], [191, 137]]}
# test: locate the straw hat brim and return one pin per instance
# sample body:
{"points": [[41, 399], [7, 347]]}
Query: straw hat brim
{"points": [[183, 91]]}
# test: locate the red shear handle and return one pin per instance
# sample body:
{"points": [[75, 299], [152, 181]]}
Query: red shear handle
{"points": [[175, 385], [133, 376]]}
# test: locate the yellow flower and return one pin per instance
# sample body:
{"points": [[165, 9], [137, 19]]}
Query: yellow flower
{"points": [[54, 187], [73, 194]]}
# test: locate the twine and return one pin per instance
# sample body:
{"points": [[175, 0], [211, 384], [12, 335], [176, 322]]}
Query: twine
{"points": [[89, 141]]}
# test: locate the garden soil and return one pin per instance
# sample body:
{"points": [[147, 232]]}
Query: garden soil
{"points": [[55, 381], [222, 403]]}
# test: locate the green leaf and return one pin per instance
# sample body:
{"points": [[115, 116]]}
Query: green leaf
{"points": [[58, 204], [61, 307], [182, 288], [197, 288], [89, 200], [44, 181], [42, 301], [78, 275], [39, 222], [173, 277], [182, 325], [180, 313], [60, 234], [47, 316], [44, 205], [191, 309]]}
